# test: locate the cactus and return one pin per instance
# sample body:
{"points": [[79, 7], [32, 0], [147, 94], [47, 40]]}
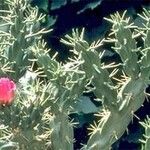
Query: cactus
{"points": [[39, 113], [20, 122], [146, 139], [48, 90], [127, 95]]}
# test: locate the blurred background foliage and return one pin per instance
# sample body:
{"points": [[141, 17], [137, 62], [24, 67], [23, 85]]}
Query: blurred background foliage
{"points": [[64, 15]]}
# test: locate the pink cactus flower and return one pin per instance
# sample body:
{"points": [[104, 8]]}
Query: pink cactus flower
{"points": [[7, 91]]}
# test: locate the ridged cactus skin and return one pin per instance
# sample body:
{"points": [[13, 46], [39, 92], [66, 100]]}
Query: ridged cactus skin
{"points": [[48, 90]]}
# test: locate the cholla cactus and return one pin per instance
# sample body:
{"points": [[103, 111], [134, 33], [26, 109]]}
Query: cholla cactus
{"points": [[146, 139], [120, 100], [47, 91], [20, 126], [39, 114], [19, 30]]}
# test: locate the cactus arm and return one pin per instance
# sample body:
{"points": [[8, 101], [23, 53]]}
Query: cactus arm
{"points": [[146, 137], [119, 103]]}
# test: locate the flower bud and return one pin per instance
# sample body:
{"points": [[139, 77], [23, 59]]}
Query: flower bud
{"points": [[7, 91]]}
